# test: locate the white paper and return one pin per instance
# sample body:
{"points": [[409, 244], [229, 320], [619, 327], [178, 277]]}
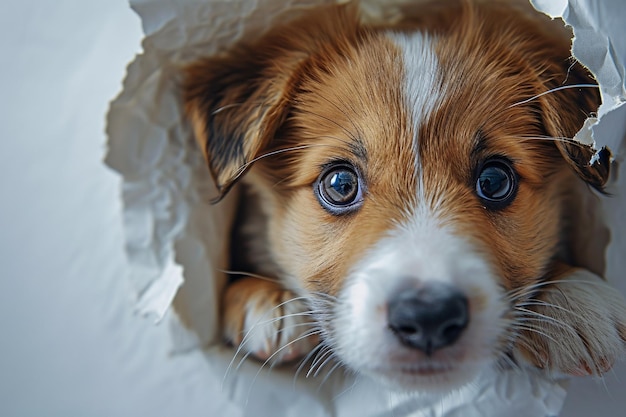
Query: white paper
{"points": [[599, 43], [168, 218], [71, 344]]}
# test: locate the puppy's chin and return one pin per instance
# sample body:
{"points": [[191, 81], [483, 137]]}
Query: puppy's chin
{"points": [[428, 376], [409, 371]]}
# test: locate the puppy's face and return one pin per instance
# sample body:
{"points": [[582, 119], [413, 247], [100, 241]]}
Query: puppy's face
{"points": [[408, 177]]}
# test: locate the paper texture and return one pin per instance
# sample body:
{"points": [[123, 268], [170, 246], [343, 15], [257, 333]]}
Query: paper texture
{"points": [[600, 46], [169, 221]]}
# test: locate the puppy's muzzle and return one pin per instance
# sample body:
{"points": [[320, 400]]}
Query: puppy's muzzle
{"points": [[428, 318]]}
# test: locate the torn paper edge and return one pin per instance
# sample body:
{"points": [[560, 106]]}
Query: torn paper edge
{"points": [[167, 38]]}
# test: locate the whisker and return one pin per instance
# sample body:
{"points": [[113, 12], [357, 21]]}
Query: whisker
{"points": [[504, 357], [226, 107], [541, 303], [286, 316], [232, 362], [321, 366], [246, 337], [531, 329], [318, 361], [528, 346], [240, 171], [278, 332], [350, 388], [563, 87], [337, 365], [313, 329], [296, 325], [305, 335], [549, 320], [248, 274], [242, 360], [319, 348], [325, 295], [243, 167], [518, 292], [260, 321], [553, 139]]}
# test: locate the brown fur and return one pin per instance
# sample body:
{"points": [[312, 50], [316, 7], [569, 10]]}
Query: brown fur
{"points": [[332, 86], [512, 66], [576, 338]]}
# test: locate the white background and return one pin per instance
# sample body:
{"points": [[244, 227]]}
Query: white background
{"points": [[70, 343]]}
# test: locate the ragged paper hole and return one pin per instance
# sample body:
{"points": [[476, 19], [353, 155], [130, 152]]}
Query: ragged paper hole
{"points": [[167, 189]]}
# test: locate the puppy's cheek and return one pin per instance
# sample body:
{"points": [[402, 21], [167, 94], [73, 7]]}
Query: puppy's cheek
{"points": [[360, 328]]}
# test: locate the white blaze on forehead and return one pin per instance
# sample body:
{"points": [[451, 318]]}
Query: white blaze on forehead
{"points": [[422, 77], [422, 90]]}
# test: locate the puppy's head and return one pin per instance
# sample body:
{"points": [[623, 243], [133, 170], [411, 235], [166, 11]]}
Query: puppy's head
{"points": [[412, 177]]}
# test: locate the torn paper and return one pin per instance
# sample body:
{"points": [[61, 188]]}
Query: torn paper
{"points": [[169, 220], [599, 45]]}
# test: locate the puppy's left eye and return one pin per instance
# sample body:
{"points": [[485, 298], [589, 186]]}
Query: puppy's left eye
{"points": [[339, 189], [496, 184]]}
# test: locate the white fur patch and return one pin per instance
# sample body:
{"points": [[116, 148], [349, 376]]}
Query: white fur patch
{"points": [[274, 333], [422, 85], [422, 81], [420, 251]]}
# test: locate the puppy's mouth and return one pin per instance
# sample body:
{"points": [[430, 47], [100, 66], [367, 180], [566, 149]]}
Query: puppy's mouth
{"points": [[407, 360], [430, 375], [426, 369], [409, 369]]}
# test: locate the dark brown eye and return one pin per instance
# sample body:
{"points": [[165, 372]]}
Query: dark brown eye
{"points": [[496, 185], [339, 189]]}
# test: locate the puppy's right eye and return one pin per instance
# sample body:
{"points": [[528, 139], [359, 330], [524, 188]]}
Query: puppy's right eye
{"points": [[496, 185], [339, 189]]}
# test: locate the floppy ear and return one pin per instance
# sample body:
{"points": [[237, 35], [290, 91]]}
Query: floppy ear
{"points": [[235, 105], [564, 113], [592, 166]]}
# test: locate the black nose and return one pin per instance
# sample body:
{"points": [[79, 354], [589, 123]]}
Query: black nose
{"points": [[428, 318]]}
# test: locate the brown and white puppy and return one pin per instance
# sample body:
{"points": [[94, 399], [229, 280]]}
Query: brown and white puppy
{"points": [[407, 193]]}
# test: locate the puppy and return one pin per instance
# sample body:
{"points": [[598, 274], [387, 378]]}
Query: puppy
{"points": [[407, 194]]}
